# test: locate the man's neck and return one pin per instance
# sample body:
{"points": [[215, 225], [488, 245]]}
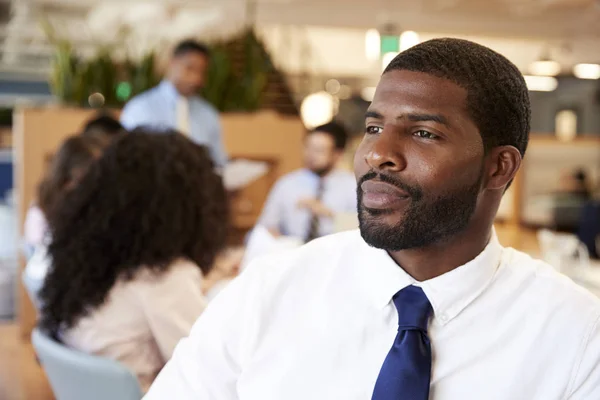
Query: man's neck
{"points": [[323, 174], [174, 87], [437, 259]]}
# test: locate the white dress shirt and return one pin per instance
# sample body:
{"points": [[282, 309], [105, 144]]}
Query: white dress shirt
{"points": [[183, 115], [160, 108], [281, 210], [317, 323], [142, 320]]}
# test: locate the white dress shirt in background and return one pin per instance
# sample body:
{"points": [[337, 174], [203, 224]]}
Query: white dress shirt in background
{"points": [[142, 320], [160, 108], [183, 115], [281, 210], [317, 323]]}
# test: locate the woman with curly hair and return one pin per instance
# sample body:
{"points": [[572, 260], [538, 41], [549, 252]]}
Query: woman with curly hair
{"points": [[130, 246], [65, 170]]}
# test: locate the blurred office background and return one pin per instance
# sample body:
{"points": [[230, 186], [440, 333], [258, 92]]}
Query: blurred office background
{"points": [[278, 68]]}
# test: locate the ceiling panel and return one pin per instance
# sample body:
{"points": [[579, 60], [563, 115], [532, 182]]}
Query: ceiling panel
{"points": [[560, 22]]}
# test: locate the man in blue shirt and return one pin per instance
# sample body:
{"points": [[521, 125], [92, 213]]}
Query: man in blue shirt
{"points": [[303, 204], [175, 104]]}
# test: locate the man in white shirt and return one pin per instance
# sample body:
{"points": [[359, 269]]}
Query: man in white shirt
{"points": [[175, 103], [304, 203], [423, 303]]}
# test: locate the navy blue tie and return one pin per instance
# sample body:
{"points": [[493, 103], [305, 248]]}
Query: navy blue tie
{"points": [[406, 371]]}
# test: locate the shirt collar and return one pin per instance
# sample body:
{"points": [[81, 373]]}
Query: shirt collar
{"points": [[168, 90], [448, 294]]}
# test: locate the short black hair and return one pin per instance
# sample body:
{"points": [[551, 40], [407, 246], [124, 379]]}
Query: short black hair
{"points": [[580, 175], [103, 124], [497, 95], [191, 46], [337, 132]]}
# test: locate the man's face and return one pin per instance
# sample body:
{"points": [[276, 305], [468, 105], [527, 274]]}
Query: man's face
{"points": [[320, 154], [420, 164], [188, 71]]}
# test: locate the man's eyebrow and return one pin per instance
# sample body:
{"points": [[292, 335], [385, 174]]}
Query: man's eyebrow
{"points": [[414, 117], [373, 114], [440, 119]]}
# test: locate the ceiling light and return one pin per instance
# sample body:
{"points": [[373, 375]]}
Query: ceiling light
{"points": [[344, 93], [541, 83], [367, 93], [408, 39], [587, 71], [386, 59], [372, 45], [565, 123], [333, 86], [317, 109], [544, 68]]}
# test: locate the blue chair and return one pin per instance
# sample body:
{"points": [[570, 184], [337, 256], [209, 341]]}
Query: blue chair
{"points": [[74, 375]]}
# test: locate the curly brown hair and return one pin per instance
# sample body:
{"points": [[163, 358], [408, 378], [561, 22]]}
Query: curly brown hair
{"points": [[149, 200], [65, 167]]}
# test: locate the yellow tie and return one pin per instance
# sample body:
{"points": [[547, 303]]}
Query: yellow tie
{"points": [[183, 115]]}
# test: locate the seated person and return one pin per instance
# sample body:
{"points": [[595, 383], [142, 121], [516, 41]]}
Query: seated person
{"points": [[66, 168], [104, 127], [570, 200], [303, 203], [100, 130], [130, 247]]}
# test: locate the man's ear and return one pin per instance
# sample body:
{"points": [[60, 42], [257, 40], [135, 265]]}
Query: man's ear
{"points": [[503, 162]]}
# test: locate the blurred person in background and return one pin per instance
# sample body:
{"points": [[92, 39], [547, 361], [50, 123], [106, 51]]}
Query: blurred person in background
{"points": [[588, 230], [65, 168], [575, 183], [98, 132], [130, 246], [104, 127], [175, 103], [303, 203], [581, 185], [568, 203]]}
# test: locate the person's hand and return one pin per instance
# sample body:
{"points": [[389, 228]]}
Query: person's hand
{"points": [[227, 266], [315, 207]]}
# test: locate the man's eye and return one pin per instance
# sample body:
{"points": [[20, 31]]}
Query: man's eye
{"points": [[373, 130], [425, 134]]}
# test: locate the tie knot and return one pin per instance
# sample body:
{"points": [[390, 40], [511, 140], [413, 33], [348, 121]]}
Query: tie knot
{"points": [[413, 308]]}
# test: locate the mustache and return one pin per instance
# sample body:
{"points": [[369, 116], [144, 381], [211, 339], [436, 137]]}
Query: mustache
{"points": [[414, 191]]}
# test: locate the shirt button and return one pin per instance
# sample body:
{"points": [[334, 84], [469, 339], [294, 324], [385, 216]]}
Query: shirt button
{"points": [[444, 317]]}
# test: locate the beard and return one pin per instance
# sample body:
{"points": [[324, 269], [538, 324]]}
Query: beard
{"points": [[427, 219], [322, 171]]}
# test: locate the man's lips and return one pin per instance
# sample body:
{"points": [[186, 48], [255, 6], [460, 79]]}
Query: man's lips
{"points": [[382, 195]]}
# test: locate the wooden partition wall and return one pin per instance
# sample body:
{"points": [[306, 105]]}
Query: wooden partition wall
{"points": [[264, 136]]}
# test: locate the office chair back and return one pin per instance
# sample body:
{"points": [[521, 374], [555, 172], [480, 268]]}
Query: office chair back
{"points": [[74, 375]]}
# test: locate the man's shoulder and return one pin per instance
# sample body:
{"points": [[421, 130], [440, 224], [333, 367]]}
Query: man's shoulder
{"points": [[311, 260], [292, 178], [544, 284], [344, 173], [206, 105], [143, 99], [345, 176], [147, 94]]}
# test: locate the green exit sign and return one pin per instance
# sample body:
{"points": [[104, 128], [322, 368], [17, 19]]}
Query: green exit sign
{"points": [[390, 44]]}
